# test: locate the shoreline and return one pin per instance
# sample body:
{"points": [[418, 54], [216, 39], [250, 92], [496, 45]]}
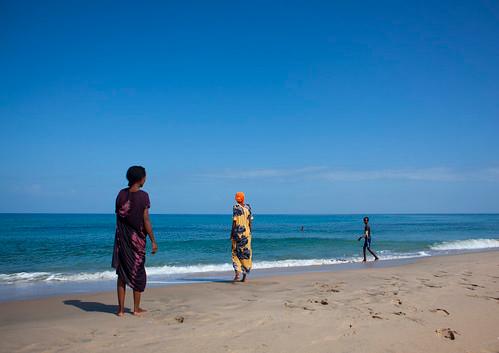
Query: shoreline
{"points": [[63, 288], [403, 308], [39, 290]]}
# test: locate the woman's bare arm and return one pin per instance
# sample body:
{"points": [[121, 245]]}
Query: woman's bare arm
{"points": [[233, 228], [148, 227]]}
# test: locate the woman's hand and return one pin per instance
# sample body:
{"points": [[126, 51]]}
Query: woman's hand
{"points": [[154, 247]]}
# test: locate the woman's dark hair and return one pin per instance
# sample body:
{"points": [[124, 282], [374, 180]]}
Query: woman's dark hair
{"points": [[135, 174], [366, 218]]}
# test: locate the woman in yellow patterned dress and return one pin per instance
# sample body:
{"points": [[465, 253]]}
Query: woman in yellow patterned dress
{"points": [[241, 237]]}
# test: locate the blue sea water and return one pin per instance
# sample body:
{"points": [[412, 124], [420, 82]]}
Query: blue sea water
{"points": [[76, 248]]}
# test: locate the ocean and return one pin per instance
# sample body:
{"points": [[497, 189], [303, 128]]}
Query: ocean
{"points": [[45, 254]]}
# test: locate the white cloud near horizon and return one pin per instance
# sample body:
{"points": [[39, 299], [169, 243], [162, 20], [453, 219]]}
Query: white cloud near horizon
{"points": [[337, 175], [265, 173]]}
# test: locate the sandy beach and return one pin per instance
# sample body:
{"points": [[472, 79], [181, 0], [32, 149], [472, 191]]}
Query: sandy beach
{"points": [[438, 304]]}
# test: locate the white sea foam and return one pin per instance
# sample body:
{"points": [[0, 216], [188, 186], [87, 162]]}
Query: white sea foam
{"points": [[30, 277], [55, 277], [468, 244]]}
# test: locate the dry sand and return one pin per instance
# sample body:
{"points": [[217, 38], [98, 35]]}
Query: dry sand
{"points": [[438, 304]]}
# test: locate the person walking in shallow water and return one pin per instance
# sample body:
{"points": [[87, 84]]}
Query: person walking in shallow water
{"points": [[367, 240], [242, 219], [132, 227]]}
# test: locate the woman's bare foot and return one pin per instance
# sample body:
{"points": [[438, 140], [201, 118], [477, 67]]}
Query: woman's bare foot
{"points": [[120, 313], [376, 258], [236, 277], [244, 278], [139, 312]]}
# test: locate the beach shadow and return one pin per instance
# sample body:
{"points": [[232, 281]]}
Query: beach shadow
{"points": [[213, 280], [93, 306]]}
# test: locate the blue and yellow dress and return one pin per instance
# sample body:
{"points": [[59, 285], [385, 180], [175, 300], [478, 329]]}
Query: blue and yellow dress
{"points": [[241, 238]]}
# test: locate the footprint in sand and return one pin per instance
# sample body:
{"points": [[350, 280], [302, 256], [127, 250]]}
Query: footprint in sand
{"points": [[476, 285], [446, 333], [415, 320], [399, 313], [438, 310], [472, 286], [322, 301], [324, 287], [291, 305], [397, 301], [484, 297], [375, 293], [432, 285], [374, 315], [398, 278], [441, 274], [426, 282], [249, 299]]}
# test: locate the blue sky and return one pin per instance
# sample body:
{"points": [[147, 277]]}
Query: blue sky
{"points": [[308, 107]]}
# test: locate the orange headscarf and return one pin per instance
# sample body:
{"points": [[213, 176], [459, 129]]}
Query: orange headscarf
{"points": [[240, 197]]}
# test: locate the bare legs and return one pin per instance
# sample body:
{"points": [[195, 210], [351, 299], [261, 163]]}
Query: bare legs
{"points": [[121, 289], [120, 285], [372, 253], [237, 276], [137, 310]]}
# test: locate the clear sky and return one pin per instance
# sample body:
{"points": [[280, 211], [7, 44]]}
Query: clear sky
{"points": [[308, 107]]}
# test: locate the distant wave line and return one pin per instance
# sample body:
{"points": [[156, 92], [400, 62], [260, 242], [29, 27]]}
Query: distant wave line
{"points": [[468, 244]]}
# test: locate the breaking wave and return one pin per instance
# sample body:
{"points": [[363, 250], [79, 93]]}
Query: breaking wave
{"points": [[468, 244], [29, 277]]}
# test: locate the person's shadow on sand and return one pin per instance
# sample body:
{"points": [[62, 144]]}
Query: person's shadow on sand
{"points": [[208, 280], [93, 306]]}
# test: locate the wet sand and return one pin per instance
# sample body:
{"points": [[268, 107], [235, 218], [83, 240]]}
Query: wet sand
{"points": [[437, 304]]}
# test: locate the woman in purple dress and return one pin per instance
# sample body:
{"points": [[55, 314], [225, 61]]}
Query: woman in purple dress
{"points": [[132, 227]]}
